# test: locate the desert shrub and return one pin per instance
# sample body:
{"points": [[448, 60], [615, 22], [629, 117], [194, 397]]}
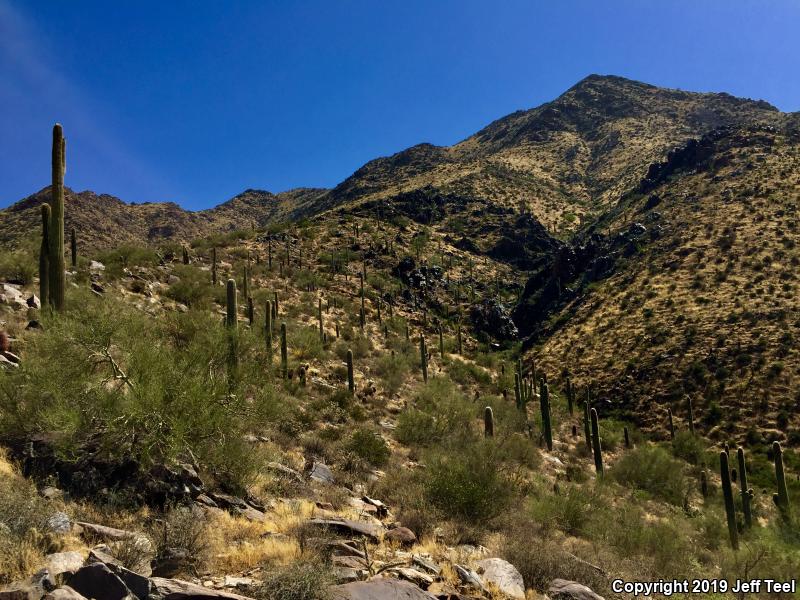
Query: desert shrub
{"points": [[652, 469], [369, 446], [23, 523], [441, 413], [301, 580], [144, 389], [393, 371], [128, 255], [182, 531], [193, 287], [467, 485], [570, 511], [19, 266], [467, 373], [691, 448]]}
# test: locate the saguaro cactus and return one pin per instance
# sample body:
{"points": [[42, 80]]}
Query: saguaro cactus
{"points": [[727, 492], [596, 449], [185, 252], [518, 391], [441, 344], [351, 384], [73, 246], [231, 321], [231, 315], [704, 483], [747, 493], [55, 259], [423, 356], [214, 266], [268, 328], [781, 499], [570, 397], [545, 405], [488, 422], [627, 437], [44, 257], [284, 353], [690, 412]]}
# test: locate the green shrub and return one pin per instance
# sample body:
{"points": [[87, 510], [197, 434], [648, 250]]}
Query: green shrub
{"points": [[300, 580], [369, 446], [652, 469], [689, 447], [467, 485]]}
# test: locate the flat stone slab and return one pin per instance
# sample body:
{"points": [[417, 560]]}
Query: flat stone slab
{"points": [[175, 589], [379, 589], [348, 527], [563, 589]]}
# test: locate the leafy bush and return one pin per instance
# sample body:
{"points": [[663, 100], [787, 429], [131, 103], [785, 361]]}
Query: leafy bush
{"points": [[691, 448], [468, 485], [369, 446], [652, 469]]}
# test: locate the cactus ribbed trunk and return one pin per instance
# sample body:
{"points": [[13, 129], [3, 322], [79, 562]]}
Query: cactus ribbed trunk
{"points": [[488, 422], [627, 437], [73, 246], [545, 405], [423, 355], [284, 353], [232, 308], [518, 391], [441, 344], [44, 258], [351, 384], [596, 449], [55, 259], [690, 411], [231, 321], [747, 493], [570, 397], [781, 499], [727, 493], [268, 328], [214, 266]]}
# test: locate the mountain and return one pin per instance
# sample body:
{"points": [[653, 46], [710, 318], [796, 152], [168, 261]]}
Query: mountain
{"points": [[562, 163], [105, 221]]}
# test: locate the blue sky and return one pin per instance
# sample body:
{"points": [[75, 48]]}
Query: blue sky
{"points": [[196, 101]]}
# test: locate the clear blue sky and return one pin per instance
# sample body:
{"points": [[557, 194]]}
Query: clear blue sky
{"points": [[195, 101]]}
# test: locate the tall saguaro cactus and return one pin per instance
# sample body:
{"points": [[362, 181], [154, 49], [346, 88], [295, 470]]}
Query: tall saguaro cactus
{"points": [[596, 449], [727, 492], [284, 353], [671, 424], [690, 412], [545, 405], [781, 499], [232, 323], [423, 355], [73, 245], [232, 305], [351, 384], [44, 257], [268, 327], [55, 259], [747, 493]]}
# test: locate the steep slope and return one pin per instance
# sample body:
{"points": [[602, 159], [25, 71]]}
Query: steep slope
{"points": [[562, 164], [565, 161], [687, 288]]}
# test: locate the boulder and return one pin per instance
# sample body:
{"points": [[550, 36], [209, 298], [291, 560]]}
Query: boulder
{"points": [[64, 593], [322, 473], [401, 535], [96, 581], [34, 302], [59, 523], [379, 589], [63, 562], [175, 589], [503, 576], [563, 589]]}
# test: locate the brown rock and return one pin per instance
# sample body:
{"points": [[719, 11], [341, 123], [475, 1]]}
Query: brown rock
{"points": [[402, 535], [562, 589], [380, 589]]}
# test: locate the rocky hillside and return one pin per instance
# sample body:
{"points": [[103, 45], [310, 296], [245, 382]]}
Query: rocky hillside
{"points": [[563, 163], [103, 221]]}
